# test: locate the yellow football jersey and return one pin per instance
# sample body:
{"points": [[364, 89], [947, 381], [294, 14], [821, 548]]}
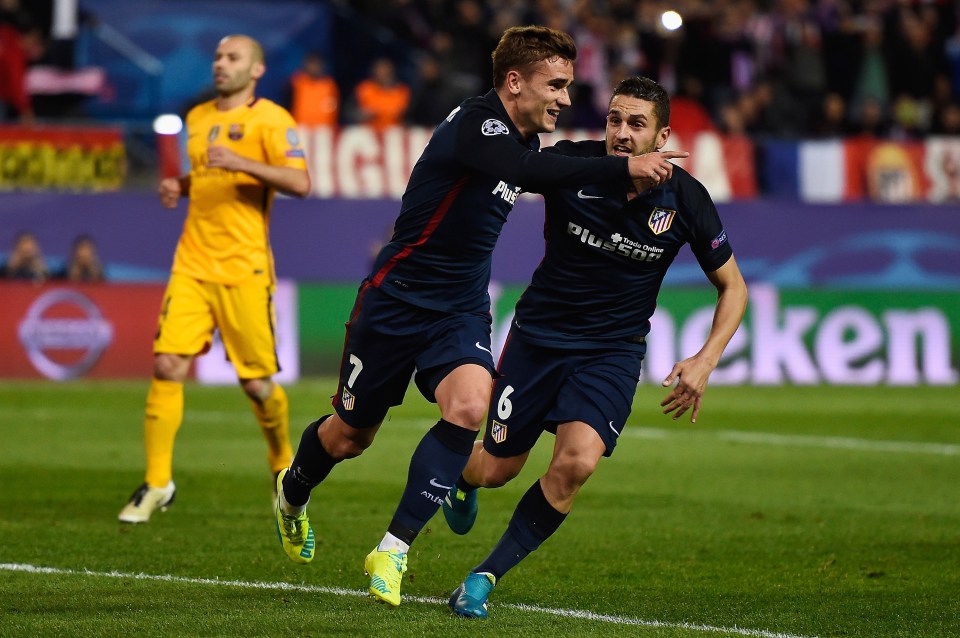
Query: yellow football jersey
{"points": [[226, 235]]}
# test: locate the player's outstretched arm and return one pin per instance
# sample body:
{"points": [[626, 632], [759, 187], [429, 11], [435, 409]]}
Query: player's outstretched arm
{"points": [[291, 181], [691, 375]]}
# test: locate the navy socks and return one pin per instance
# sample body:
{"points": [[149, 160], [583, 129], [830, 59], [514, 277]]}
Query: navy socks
{"points": [[437, 462], [534, 520], [310, 466]]}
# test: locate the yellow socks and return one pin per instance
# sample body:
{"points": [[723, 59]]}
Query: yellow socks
{"points": [[273, 415], [164, 414]]}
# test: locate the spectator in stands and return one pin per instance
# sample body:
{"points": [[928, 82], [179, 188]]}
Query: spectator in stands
{"points": [[382, 99], [870, 120], [583, 114], [469, 28], [872, 84], [910, 118], [434, 95], [805, 65], [947, 120], [732, 121], [442, 47], [20, 44], [83, 265], [26, 261], [314, 94], [688, 116], [831, 120], [914, 56]]}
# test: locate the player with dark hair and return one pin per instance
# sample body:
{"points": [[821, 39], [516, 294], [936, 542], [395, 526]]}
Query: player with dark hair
{"points": [[424, 309], [242, 150], [572, 359]]}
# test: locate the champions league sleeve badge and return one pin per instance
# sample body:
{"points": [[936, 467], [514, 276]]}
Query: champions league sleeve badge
{"points": [[494, 127], [719, 240]]}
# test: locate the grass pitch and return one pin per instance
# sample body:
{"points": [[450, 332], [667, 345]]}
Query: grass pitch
{"points": [[782, 513]]}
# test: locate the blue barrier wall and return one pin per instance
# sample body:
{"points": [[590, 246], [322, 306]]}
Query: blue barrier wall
{"points": [[789, 244]]}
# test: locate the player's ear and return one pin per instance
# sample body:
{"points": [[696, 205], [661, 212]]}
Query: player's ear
{"points": [[512, 82], [662, 136], [257, 70]]}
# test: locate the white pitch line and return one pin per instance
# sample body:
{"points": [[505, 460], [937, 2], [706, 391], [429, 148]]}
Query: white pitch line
{"points": [[643, 432], [338, 591], [801, 440]]}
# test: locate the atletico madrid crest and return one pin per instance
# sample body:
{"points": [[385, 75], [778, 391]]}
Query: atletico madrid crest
{"points": [[660, 220], [347, 399], [498, 432]]}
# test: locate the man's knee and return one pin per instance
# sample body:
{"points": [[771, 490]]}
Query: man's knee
{"points": [[257, 389], [463, 396], [171, 367], [569, 471], [497, 473], [467, 410], [342, 441]]}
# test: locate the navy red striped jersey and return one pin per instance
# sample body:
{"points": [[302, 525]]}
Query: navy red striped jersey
{"points": [[606, 257], [459, 195]]}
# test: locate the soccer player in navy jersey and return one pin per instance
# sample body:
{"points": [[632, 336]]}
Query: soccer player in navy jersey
{"points": [[572, 359], [424, 309]]}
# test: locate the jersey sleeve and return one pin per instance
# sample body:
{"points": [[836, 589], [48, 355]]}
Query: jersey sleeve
{"points": [[708, 241], [281, 141], [485, 143]]}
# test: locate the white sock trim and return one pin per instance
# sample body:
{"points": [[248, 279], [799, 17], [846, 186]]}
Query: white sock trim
{"points": [[392, 542], [291, 510]]}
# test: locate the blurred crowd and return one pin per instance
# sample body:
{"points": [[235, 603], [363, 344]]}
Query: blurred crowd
{"points": [[773, 68], [778, 68]]}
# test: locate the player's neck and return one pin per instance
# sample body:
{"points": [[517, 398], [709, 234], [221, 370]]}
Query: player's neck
{"points": [[513, 111], [233, 100]]}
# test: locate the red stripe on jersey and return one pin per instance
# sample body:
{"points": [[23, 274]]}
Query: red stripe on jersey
{"points": [[431, 226], [503, 351]]}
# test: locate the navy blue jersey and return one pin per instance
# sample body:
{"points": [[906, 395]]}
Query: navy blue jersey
{"points": [[459, 195], [606, 257]]}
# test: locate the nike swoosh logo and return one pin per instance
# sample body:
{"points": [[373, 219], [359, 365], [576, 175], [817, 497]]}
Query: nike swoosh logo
{"points": [[583, 195], [434, 483], [482, 348], [613, 428]]}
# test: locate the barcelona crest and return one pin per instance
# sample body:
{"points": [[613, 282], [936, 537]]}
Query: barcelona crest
{"points": [[660, 220], [498, 431], [347, 399], [235, 132]]}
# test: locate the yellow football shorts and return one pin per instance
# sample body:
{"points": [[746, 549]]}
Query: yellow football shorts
{"points": [[244, 315]]}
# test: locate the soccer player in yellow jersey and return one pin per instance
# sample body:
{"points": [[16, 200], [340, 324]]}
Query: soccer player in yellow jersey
{"points": [[242, 150]]}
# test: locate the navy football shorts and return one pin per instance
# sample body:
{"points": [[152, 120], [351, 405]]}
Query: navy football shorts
{"points": [[539, 388], [388, 341]]}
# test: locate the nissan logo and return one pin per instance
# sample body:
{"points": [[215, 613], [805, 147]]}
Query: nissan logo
{"points": [[43, 335]]}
